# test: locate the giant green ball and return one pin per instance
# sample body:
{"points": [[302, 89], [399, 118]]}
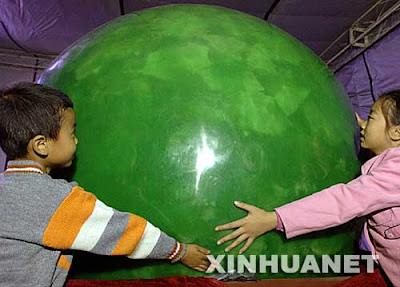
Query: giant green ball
{"points": [[183, 109]]}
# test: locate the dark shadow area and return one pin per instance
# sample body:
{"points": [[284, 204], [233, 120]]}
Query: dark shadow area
{"points": [[66, 173], [89, 263]]}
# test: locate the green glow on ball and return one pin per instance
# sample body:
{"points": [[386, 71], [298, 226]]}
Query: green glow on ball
{"points": [[183, 109]]}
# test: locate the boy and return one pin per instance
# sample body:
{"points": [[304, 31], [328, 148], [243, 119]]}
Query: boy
{"points": [[42, 219]]}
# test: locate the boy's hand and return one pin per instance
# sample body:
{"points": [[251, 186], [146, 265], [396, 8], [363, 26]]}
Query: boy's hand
{"points": [[196, 257], [256, 223]]}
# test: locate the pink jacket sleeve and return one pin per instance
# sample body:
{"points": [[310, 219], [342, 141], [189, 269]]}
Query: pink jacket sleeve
{"points": [[378, 189]]}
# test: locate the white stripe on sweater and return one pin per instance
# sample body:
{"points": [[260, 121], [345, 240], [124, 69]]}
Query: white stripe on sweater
{"points": [[146, 244], [176, 251], [28, 169], [93, 227]]}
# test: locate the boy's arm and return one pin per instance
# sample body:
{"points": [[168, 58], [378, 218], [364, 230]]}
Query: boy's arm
{"points": [[82, 222]]}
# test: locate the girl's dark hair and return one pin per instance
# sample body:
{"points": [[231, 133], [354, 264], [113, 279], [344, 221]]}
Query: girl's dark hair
{"points": [[28, 110], [390, 105]]}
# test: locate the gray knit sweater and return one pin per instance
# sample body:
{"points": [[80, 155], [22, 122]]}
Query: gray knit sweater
{"points": [[43, 219]]}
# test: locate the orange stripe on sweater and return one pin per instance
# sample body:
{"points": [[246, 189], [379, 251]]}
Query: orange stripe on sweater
{"points": [[64, 263], [20, 171], [131, 236], [68, 219]]}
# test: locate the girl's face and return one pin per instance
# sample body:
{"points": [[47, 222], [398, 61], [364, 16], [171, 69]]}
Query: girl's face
{"points": [[374, 135]]}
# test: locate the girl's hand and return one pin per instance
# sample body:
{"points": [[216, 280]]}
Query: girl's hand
{"points": [[196, 257], [256, 223]]}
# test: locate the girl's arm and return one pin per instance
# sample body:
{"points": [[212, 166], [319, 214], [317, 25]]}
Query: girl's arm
{"points": [[377, 190]]}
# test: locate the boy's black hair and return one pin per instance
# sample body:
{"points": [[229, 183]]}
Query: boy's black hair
{"points": [[28, 110]]}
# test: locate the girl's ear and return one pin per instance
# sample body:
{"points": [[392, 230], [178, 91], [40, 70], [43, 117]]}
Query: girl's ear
{"points": [[394, 133], [39, 146]]}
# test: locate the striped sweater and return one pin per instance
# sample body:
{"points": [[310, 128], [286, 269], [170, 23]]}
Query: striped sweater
{"points": [[43, 219]]}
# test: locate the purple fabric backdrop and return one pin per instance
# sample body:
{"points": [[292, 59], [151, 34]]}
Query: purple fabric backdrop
{"points": [[383, 60], [50, 26]]}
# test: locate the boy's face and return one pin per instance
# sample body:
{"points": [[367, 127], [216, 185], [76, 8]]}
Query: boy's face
{"points": [[62, 150]]}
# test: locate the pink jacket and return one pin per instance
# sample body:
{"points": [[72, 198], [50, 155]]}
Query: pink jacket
{"points": [[376, 194]]}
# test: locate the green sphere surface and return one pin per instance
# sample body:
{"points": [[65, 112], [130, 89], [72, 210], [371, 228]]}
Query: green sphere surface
{"points": [[183, 109]]}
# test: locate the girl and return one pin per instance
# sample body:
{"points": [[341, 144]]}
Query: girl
{"points": [[375, 194]]}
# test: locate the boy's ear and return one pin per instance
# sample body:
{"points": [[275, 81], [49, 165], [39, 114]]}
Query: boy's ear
{"points": [[39, 145], [394, 133]]}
